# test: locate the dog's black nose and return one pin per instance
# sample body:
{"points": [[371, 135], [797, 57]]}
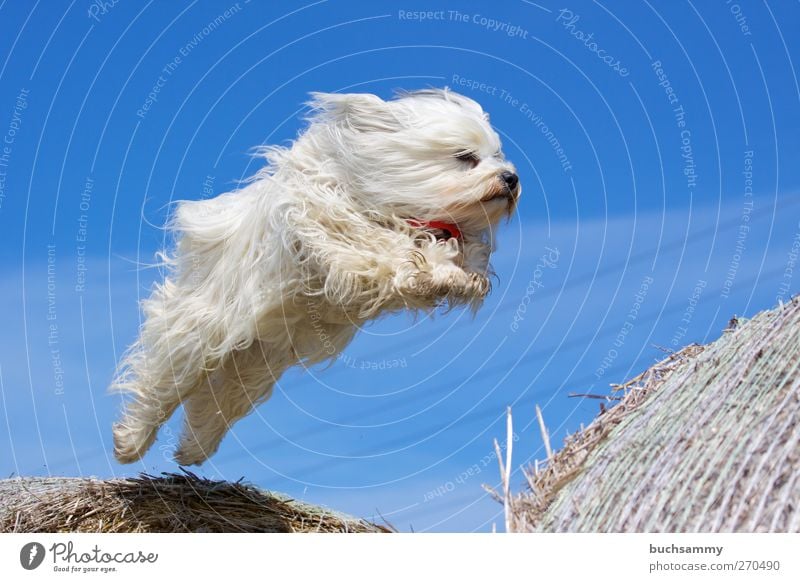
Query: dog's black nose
{"points": [[511, 179]]}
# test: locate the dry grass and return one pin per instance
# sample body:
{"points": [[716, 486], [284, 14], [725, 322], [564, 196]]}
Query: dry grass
{"points": [[708, 439], [170, 503], [547, 478]]}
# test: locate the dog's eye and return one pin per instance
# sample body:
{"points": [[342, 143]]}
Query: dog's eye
{"points": [[470, 158]]}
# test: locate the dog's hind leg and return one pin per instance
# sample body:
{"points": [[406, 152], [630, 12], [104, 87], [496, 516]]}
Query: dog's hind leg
{"points": [[161, 369], [136, 430], [245, 380]]}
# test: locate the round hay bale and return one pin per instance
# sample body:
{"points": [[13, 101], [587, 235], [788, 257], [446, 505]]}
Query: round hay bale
{"points": [[708, 440], [169, 504]]}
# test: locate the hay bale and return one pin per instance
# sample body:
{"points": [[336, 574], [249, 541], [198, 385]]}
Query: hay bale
{"points": [[708, 440], [167, 504]]}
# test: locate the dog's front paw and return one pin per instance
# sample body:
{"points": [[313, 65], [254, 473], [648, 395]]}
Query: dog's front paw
{"points": [[188, 455], [445, 282], [477, 287], [470, 287]]}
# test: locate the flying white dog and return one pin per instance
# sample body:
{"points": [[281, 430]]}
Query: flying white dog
{"points": [[378, 206]]}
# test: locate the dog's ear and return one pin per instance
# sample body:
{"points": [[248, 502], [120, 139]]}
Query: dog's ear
{"points": [[359, 111]]}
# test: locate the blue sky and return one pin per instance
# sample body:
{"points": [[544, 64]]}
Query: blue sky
{"points": [[657, 144]]}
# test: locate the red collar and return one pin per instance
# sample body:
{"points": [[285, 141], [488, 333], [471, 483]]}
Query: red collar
{"points": [[452, 230]]}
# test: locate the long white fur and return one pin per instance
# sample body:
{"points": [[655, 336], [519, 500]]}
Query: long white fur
{"points": [[284, 269]]}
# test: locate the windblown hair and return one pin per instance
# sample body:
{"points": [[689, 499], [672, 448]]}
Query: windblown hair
{"points": [[335, 230]]}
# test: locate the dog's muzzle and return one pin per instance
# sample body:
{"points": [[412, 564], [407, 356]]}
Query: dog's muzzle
{"points": [[507, 188], [510, 179]]}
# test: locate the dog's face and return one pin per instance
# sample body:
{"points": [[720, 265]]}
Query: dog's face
{"points": [[430, 155]]}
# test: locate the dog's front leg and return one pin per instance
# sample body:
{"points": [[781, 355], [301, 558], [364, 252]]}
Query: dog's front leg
{"points": [[431, 274], [387, 270]]}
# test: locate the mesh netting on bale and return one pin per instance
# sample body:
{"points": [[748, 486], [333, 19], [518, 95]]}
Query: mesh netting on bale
{"points": [[708, 440], [170, 504]]}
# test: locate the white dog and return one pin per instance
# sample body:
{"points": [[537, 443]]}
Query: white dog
{"points": [[378, 206]]}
